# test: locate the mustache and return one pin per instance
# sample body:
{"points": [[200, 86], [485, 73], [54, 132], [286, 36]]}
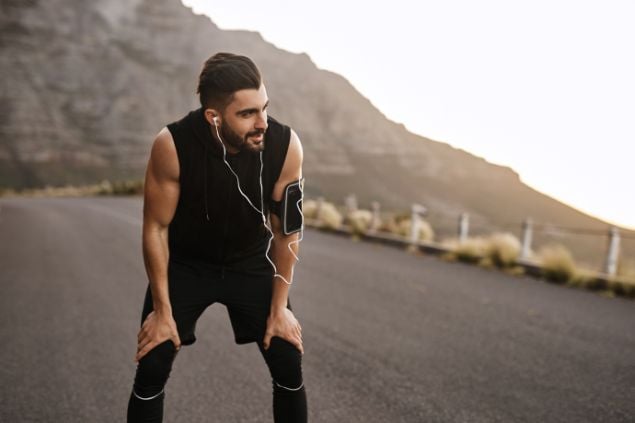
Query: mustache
{"points": [[258, 132]]}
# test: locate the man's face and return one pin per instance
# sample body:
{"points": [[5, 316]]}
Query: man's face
{"points": [[244, 121]]}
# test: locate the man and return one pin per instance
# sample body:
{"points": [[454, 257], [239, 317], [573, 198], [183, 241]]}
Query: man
{"points": [[211, 179]]}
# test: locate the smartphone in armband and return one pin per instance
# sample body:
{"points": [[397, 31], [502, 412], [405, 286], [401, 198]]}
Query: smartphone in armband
{"points": [[289, 208], [292, 219]]}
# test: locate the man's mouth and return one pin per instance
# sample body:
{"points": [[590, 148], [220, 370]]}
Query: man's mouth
{"points": [[258, 137]]}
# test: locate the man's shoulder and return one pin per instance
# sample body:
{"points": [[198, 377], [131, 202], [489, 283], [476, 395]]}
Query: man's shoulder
{"points": [[277, 129], [184, 121], [163, 156], [273, 121]]}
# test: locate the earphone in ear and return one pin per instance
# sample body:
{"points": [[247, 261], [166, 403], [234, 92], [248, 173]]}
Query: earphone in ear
{"points": [[216, 120]]}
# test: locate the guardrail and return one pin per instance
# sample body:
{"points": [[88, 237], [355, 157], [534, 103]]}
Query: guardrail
{"points": [[599, 281]]}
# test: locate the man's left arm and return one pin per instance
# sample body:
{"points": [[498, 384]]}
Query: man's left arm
{"points": [[281, 321]]}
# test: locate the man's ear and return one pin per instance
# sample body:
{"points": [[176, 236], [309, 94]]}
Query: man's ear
{"points": [[213, 117]]}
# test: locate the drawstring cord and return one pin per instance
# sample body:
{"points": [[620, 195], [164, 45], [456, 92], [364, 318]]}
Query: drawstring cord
{"points": [[205, 181]]}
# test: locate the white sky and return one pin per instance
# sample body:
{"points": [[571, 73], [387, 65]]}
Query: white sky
{"points": [[546, 87]]}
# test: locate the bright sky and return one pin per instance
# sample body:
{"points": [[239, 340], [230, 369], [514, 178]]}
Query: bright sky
{"points": [[546, 87]]}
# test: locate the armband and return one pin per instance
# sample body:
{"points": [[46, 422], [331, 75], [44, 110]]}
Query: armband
{"points": [[289, 209]]}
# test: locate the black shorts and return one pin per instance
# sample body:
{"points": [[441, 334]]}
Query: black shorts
{"points": [[193, 286]]}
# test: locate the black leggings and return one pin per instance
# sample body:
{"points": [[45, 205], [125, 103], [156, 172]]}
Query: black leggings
{"points": [[192, 289]]}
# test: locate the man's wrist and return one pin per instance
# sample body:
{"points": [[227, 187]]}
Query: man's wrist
{"points": [[163, 308], [276, 310]]}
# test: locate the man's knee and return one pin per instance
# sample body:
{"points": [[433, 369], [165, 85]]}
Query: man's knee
{"points": [[285, 364], [153, 370]]}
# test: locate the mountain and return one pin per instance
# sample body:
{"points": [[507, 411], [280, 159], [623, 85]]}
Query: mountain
{"points": [[87, 85]]}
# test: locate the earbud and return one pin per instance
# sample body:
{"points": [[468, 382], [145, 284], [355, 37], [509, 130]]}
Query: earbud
{"points": [[216, 120]]}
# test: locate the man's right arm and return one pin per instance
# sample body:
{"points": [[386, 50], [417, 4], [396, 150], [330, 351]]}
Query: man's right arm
{"points": [[161, 194]]}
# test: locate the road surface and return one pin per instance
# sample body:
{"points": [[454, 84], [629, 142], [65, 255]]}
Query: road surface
{"points": [[389, 337]]}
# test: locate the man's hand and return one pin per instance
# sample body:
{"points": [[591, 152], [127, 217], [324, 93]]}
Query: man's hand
{"points": [[283, 324], [157, 328]]}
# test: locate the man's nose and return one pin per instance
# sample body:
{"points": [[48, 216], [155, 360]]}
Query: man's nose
{"points": [[261, 123]]}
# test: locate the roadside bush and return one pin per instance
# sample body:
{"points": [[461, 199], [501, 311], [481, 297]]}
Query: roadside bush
{"points": [[309, 209], [6, 192], [626, 270], [390, 225], [503, 249], [596, 284], [426, 233], [360, 221], [557, 263], [623, 288], [472, 250], [583, 278], [134, 187], [329, 216], [104, 188]]}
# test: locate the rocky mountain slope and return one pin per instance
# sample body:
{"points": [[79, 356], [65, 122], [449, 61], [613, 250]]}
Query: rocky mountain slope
{"points": [[87, 85]]}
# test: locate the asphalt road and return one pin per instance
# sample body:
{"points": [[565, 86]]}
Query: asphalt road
{"points": [[389, 337]]}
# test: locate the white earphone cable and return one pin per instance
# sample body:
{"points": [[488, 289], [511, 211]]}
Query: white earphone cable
{"points": [[261, 211]]}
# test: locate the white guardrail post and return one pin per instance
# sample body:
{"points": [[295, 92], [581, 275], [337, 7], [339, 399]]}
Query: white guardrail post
{"points": [[464, 226], [415, 222], [351, 203], [528, 227], [376, 219], [610, 267]]}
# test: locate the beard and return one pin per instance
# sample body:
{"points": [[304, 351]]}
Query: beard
{"points": [[232, 138]]}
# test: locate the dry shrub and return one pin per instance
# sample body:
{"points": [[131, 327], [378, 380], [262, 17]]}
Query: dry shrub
{"points": [[472, 250], [583, 278], [7, 192], [329, 216], [309, 209], [134, 187], [426, 233], [105, 187], [557, 263], [623, 288], [360, 221], [626, 270], [503, 249], [390, 224]]}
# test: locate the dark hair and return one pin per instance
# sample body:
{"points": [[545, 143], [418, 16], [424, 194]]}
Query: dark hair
{"points": [[223, 74]]}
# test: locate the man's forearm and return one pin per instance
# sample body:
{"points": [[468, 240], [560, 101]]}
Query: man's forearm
{"points": [[284, 261], [155, 257]]}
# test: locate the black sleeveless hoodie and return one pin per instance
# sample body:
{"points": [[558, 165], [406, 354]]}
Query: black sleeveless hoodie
{"points": [[213, 222]]}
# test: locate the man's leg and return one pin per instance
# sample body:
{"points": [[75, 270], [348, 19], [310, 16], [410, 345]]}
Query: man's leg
{"points": [[146, 399], [289, 396], [190, 295], [248, 301]]}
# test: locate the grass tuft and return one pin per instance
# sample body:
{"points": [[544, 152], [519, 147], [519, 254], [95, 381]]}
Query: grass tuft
{"points": [[557, 263], [329, 217]]}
